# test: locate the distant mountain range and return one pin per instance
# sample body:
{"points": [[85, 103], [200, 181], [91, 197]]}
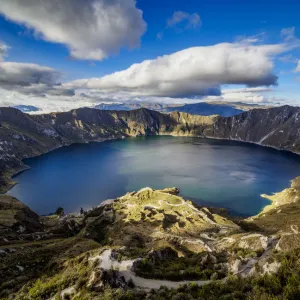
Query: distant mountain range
{"points": [[206, 109], [27, 108], [225, 109]]}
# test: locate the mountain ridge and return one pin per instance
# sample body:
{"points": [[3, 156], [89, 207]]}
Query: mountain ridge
{"points": [[23, 135]]}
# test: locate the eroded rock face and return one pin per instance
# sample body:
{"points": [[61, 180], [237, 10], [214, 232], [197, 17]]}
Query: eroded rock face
{"points": [[162, 254], [101, 278], [255, 242], [288, 241]]}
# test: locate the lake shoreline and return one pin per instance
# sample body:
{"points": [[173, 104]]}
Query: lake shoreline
{"points": [[13, 173], [231, 211]]}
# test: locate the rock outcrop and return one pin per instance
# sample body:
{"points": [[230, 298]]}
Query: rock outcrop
{"points": [[149, 218], [287, 196], [139, 235]]}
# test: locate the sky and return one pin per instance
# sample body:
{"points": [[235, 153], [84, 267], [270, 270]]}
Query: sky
{"points": [[59, 55]]}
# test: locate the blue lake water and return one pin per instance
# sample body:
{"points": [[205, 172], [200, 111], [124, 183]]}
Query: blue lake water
{"points": [[211, 172]]}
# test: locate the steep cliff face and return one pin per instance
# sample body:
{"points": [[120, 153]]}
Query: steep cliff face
{"points": [[276, 127], [23, 136]]}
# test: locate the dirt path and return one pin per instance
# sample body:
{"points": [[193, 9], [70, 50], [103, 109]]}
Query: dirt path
{"points": [[124, 267]]}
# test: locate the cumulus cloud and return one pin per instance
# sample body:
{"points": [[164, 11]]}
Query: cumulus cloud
{"points": [[31, 79], [24, 74], [194, 71], [91, 29]]}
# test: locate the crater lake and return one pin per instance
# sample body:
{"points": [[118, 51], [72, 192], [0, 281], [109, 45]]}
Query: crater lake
{"points": [[210, 172]]}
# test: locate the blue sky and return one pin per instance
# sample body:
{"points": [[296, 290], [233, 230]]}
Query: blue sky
{"points": [[220, 21]]}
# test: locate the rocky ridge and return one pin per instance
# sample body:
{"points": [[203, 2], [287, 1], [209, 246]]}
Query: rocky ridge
{"points": [[125, 244], [23, 135]]}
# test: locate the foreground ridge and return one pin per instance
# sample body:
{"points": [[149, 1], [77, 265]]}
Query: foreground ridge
{"points": [[142, 241]]}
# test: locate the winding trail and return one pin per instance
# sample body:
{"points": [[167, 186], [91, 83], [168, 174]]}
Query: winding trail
{"points": [[124, 267]]}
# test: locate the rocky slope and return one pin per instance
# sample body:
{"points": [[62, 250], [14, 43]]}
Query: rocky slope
{"points": [[23, 136], [275, 127], [133, 225], [17, 217]]}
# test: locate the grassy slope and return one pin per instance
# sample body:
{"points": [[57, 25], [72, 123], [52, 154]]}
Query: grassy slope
{"points": [[142, 221]]}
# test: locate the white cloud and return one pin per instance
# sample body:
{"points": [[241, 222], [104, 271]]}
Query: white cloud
{"points": [[249, 40], [91, 29], [180, 21], [288, 34], [160, 35], [30, 79], [298, 67], [289, 58], [248, 90], [246, 97], [259, 96], [23, 74], [46, 103], [3, 50], [192, 72], [181, 17]]}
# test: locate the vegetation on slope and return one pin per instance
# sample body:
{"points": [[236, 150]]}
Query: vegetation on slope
{"points": [[174, 239]]}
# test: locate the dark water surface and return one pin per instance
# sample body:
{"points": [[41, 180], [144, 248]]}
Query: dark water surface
{"points": [[211, 172]]}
